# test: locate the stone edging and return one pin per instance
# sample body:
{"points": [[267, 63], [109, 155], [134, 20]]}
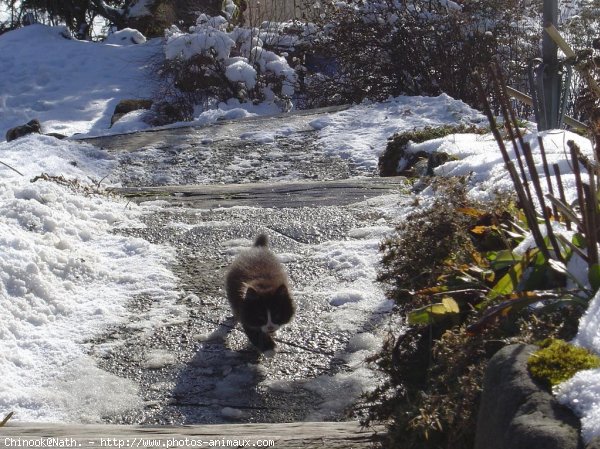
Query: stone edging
{"points": [[516, 413]]}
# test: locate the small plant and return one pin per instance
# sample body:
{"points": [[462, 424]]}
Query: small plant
{"points": [[558, 361]]}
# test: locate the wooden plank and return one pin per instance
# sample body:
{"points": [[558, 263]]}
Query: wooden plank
{"points": [[559, 41], [529, 101], [275, 195], [280, 435]]}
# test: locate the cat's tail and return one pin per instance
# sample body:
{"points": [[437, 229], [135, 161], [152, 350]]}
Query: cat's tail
{"points": [[261, 240]]}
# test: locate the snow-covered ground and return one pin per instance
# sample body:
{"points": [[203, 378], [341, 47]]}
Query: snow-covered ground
{"points": [[70, 86], [64, 276]]}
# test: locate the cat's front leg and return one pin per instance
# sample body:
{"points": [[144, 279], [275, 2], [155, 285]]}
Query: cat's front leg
{"points": [[261, 340]]}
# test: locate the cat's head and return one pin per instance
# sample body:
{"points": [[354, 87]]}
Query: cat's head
{"points": [[267, 311]]}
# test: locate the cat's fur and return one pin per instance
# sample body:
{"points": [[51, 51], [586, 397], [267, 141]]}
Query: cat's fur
{"points": [[258, 292]]}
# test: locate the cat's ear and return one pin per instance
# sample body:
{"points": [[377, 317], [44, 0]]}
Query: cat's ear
{"points": [[282, 291], [251, 294]]}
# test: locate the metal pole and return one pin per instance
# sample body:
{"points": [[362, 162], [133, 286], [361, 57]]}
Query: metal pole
{"points": [[551, 76]]}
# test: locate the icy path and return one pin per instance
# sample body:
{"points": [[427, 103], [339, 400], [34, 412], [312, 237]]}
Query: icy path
{"points": [[197, 367]]}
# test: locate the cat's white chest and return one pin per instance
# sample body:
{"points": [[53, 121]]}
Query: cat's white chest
{"points": [[269, 327]]}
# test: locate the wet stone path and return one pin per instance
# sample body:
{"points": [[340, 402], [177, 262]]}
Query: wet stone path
{"points": [[198, 367]]}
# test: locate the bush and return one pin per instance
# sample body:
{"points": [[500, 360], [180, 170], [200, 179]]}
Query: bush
{"points": [[417, 254], [443, 269], [215, 63], [383, 48]]}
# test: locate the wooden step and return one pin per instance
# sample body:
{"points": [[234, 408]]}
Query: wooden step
{"points": [[307, 435], [265, 194]]}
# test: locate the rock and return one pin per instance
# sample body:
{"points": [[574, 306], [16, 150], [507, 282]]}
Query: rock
{"points": [[56, 135], [421, 164], [516, 412], [127, 106], [165, 113], [33, 126], [126, 36]]}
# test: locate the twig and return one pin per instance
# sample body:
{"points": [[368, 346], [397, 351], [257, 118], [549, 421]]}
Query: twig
{"points": [[565, 210], [12, 168], [587, 205], [565, 241], [523, 198], [511, 118], [6, 418], [591, 211], [578, 183], [502, 97], [561, 192], [547, 172], [529, 212], [538, 190]]}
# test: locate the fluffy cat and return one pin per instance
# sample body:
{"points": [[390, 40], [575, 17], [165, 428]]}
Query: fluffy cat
{"points": [[258, 292]]}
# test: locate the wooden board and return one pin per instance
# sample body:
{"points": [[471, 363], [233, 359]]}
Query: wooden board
{"points": [[282, 436], [275, 195]]}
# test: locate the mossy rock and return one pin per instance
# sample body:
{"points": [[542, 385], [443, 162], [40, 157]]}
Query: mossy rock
{"points": [[398, 143], [558, 361]]}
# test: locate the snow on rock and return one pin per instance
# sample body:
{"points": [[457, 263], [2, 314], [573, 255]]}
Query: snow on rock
{"points": [[479, 158], [582, 392], [126, 36]]}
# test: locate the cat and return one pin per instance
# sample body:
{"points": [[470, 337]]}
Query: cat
{"points": [[258, 292]]}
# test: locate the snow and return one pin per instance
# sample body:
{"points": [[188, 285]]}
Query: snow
{"points": [[59, 82], [241, 71], [362, 131], [66, 274], [233, 413], [582, 392], [64, 277], [140, 8], [211, 39], [479, 157], [159, 358], [126, 36]]}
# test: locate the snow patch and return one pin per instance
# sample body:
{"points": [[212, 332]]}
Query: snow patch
{"points": [[159, 358]]}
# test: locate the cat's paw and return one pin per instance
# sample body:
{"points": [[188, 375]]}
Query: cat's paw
{"points": [[269, 353]]}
